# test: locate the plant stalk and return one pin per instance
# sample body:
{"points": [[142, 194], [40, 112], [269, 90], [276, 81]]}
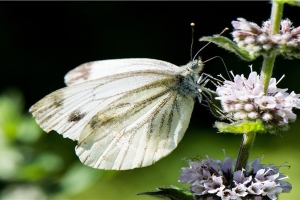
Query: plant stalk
{"points": [[268, 63], [245, 150], [265, 74]]}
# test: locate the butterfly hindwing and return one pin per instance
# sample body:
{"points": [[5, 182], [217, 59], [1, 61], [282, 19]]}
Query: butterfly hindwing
{"points": [[136, 134]]}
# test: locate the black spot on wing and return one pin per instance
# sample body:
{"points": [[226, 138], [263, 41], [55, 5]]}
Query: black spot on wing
{"points": [[76, 116]]}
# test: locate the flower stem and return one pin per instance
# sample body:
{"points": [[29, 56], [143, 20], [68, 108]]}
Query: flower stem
{"points": [[276, 16], [266, 71], [265, 74], [245, 150], [268, 64]]}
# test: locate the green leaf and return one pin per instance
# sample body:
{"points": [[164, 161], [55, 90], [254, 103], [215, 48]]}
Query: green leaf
{"points": [[173, 193], [291, 2], [241, 127], [229, 45]]}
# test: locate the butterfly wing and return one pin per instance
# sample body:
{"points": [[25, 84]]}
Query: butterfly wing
{"points": [[93, 86], [124, 118], [136, 130], [107, 69]]}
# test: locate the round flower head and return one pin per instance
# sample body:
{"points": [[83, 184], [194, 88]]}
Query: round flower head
{"points": [[214, 178], [244, 99], [258, 41]]}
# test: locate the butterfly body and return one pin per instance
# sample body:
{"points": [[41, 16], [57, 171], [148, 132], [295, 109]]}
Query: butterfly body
{"points": [[124, 113]]}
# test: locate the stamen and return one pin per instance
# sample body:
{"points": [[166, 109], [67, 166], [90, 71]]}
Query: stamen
{"points": [[220, 75], [250, 68], [280, 79]]}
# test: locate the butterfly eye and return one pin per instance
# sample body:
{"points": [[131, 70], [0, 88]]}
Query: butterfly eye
{"points": [[195, 66]]}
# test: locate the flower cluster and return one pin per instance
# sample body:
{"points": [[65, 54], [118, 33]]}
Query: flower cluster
{"points": [[258, 41], [211, 178], [244, 99]]}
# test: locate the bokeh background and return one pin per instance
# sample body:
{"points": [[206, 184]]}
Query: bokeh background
{"points": [[41, 41]]}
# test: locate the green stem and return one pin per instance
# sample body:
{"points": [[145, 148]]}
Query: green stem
{"points": [[276, 16], [266, 71], [266, 74], [268, 64], [245, 150]]}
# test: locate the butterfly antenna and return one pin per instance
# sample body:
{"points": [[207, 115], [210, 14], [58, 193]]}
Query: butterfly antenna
{"points": [[222, 62], [225, 29], [192, 43]]}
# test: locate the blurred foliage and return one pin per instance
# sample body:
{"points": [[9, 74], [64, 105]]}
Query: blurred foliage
{"points": [[26, 171]]}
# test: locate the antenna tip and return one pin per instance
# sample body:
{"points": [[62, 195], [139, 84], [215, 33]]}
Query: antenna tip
{"points": [[193, 24], [225, 29]]}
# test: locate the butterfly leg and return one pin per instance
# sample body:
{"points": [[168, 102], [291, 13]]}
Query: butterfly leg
{"points": [[204, 91]]}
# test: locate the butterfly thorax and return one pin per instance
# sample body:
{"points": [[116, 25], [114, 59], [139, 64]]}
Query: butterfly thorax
{"points": [[189, 76]]}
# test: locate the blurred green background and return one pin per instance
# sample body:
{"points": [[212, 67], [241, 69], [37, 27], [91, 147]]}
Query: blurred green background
{"points": [[42, 41]]}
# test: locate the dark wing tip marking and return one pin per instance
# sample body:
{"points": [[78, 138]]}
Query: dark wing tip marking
{"points": [[80, 73]]}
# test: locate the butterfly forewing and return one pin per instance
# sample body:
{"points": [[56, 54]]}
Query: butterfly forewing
{"points": [[107, 69], [69, 109]]}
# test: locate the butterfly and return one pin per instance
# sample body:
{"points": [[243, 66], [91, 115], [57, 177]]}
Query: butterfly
{"points": [[124, 113]]}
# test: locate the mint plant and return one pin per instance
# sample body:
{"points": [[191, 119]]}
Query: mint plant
{"points": [[249, 105]]}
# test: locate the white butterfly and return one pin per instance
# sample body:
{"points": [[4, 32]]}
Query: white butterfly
{"points": [[125, 113]]}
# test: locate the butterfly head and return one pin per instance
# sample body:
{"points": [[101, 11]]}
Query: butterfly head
{"points": [[195, 66]]}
